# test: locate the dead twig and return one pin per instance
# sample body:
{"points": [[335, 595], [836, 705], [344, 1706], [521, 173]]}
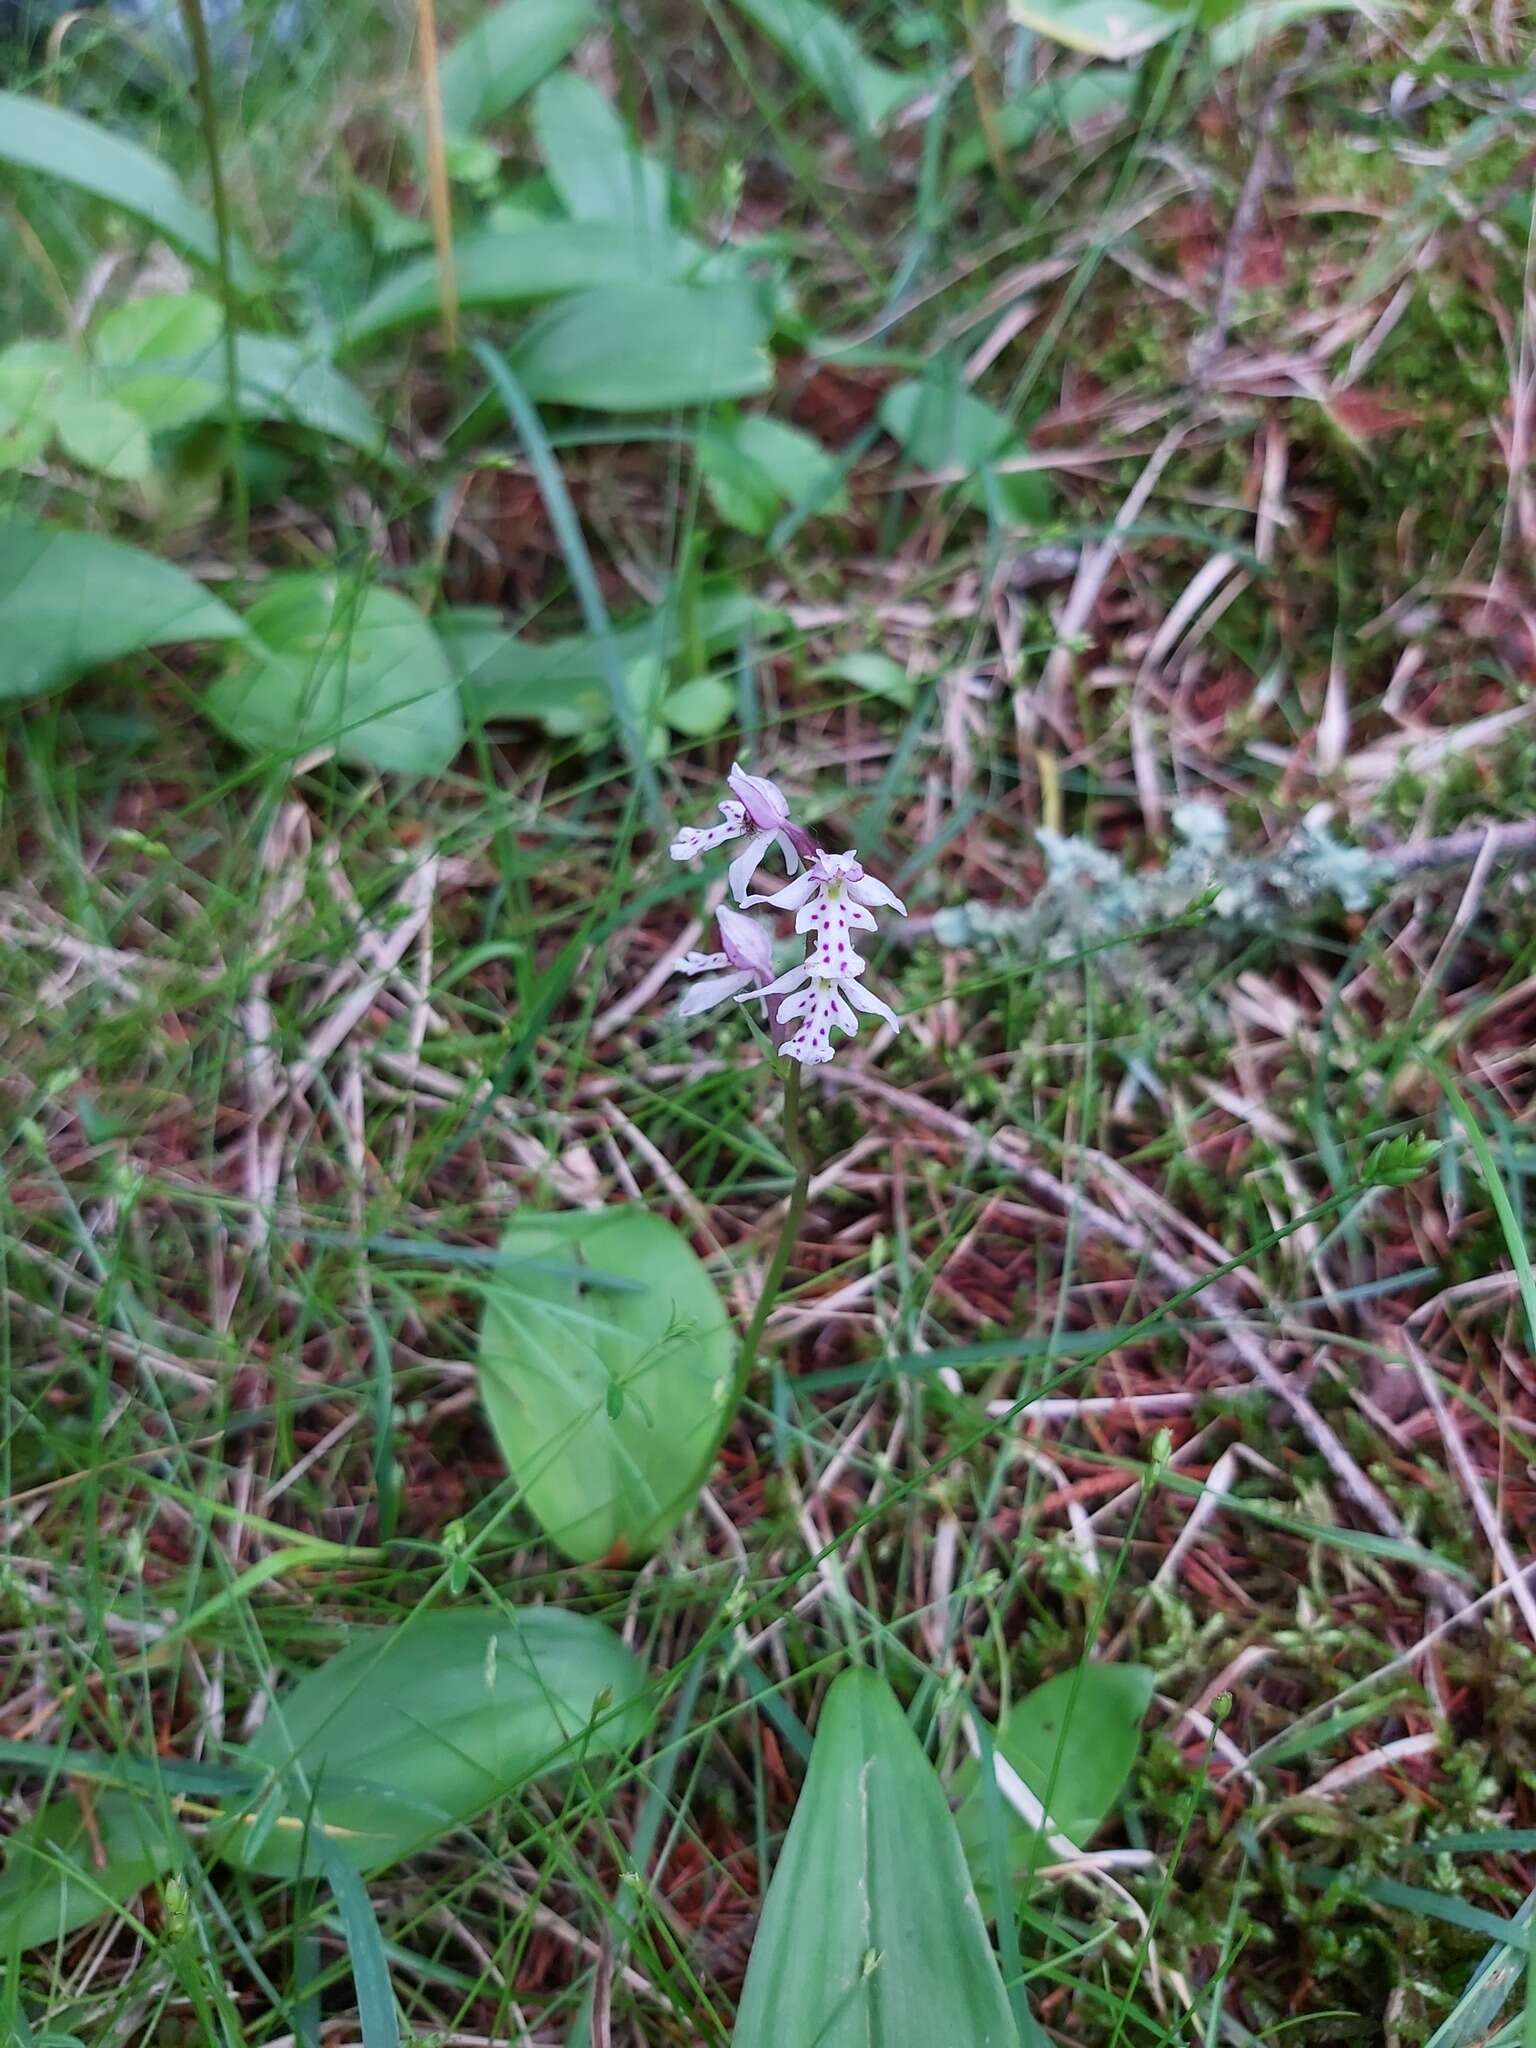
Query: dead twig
{"points": [[1009, 1152]]}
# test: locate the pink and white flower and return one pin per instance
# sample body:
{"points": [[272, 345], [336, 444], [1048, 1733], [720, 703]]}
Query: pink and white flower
{"points": [[757, 807], [833, 899], [746, 956]]}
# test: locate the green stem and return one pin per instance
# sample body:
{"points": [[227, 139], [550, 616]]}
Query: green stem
{"points": [[202, 57], [800, 1157]]}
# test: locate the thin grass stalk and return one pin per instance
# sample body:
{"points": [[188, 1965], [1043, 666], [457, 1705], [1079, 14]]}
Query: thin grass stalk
{"points": [[202, 58], [430, 84], [800, 1157]]}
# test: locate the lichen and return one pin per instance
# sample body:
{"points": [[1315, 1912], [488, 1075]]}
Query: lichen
{"points": [[1090, 895]]}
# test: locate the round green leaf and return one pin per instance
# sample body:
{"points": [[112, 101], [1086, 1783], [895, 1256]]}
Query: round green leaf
{"points": [[942, 426], [105, 437], [160, 355], [164, 324], [640, 347], [23, 441], [606, 1370], [877, 674], [1073, 1741], [700, 708], [357, 669], [136, 601], [1116, 29], [34, 375], [753, 467], [54, 1879], [415, 1730], [508, 266]]}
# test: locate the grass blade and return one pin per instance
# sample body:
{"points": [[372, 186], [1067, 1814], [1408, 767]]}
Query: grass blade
{"points": [[562, 514]]}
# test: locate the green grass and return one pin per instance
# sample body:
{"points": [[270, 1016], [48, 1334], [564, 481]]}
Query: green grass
{"points": [[235, 1330]]}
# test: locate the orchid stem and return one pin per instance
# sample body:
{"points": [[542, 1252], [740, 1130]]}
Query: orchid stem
{"points": [[800, 1157]]}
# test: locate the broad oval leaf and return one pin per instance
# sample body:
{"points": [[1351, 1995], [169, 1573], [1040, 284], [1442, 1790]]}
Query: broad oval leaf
{"points": [[412, 1731], [875, 673], [62, 1871], [560, 682], [942, 426], [104, 437], [608, 1401], [332, 664], [291, 382], [1073, 1741], [48, 635], [645, 347], [160, 324], [508, 267], [165, 358], [871, 1936], [754, 468], [1116, 29], [505, 54], [37, 137], [594, 164], [701, 707], [862, 91]]}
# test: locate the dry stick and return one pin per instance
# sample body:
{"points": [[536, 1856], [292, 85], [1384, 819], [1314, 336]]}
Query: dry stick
{"points": [[437, 170], [1503, 1556], [417, 894], [1092, 574], [981, 87], [1457, 849], [1237, 1338], [1209, 345]]}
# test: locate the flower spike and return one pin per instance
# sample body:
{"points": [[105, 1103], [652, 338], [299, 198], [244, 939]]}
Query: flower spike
{"points": [[832, 899]]}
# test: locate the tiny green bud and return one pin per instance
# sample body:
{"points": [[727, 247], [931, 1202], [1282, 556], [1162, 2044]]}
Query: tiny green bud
{"points": [[455, 1544], [1401, 1160], [1221, 1707], [1162, 1451], [139, 842], [178, 1908], [1196, 908]]}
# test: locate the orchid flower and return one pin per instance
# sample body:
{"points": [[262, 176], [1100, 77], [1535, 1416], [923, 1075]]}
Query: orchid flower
{"points": [[746, 956], [832, 900], [757, 807]]}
